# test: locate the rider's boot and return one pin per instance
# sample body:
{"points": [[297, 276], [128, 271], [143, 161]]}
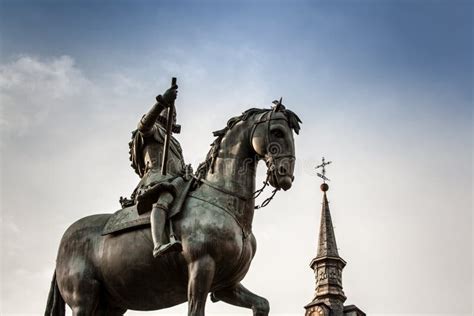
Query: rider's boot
{"points": [[158, 219]]}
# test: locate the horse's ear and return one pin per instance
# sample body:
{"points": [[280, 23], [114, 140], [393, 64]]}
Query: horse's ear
{"points": [[278, 105]]}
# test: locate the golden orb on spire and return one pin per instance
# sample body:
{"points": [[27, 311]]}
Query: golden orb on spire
{"points": [[324, 187]]}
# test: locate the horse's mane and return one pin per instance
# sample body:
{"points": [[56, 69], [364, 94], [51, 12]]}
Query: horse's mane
{"points": [[208, 164]]}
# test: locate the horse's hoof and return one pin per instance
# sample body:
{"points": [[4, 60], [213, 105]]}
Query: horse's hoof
{"points": [[170, 247]]}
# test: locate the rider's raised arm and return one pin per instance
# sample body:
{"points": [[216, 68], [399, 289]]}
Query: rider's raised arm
{"points": [[145, 126]]}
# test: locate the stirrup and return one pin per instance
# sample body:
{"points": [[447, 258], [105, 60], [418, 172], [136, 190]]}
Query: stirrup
{"points": [[167, 248]]}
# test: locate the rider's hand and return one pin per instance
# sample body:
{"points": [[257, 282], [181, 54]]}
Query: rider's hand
{"points": [[169, 96]]}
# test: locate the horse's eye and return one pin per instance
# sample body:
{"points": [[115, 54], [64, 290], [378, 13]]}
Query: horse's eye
{"points": [[277, 133]]}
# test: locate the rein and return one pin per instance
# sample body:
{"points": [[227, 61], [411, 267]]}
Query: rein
{"points": [[255, 195]]}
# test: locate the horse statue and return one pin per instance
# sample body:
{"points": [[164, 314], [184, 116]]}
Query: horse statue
{"points": [[100, 274]]}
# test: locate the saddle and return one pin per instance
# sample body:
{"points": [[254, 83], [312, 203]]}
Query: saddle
{"points": [[129, 218]]}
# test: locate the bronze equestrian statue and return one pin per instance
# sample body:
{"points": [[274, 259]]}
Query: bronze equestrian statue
{"points": [[101, 273]]}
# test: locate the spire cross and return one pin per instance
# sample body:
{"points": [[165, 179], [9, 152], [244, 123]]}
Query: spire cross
{"points": [[323, 165]]}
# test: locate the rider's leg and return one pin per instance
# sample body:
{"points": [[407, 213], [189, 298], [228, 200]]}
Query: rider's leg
{"points": [[158, 218]]}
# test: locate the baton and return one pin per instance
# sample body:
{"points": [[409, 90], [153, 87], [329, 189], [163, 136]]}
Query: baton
{"points": [[169, 125]]}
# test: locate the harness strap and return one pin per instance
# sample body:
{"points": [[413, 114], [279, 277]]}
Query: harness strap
{"points": [[224, 190], [255, 194], [244, 233]]}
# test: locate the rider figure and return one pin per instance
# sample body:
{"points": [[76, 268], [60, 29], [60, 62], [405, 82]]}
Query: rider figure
{"points": [[156, 191]]}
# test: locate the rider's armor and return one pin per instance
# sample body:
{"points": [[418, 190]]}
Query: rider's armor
{"points": [[156, 192]]}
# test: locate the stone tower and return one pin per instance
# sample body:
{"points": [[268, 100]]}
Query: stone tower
{"points": [[329, 296]]}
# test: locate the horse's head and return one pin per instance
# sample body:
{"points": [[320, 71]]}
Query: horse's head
{"points": [[272, 140]]}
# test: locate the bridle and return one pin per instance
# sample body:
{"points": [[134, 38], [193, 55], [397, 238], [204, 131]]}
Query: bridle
{"points": [[269, 158]]}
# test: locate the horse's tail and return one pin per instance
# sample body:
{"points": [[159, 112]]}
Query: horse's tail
{"points": [[55, 305]]}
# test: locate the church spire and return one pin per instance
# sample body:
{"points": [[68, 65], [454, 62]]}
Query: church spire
{"points": [[327, 240], [329, 296]]}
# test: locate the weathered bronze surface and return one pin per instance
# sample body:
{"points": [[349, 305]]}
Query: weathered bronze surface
{"points": [[108, 274]]}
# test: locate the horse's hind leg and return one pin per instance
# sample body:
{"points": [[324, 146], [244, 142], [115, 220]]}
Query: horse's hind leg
{"points": [[240, 296], [104, 309], [79, 289], [201, 274], [82, 295]]}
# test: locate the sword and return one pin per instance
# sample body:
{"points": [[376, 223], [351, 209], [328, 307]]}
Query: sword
{"points": [[169, 127]]}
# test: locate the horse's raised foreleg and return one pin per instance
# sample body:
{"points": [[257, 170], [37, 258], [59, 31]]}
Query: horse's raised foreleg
{"points": [[240, 296], [201, 274]]}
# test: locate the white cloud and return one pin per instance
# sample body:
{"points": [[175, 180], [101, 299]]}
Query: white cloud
{"points": [[30, 89]]}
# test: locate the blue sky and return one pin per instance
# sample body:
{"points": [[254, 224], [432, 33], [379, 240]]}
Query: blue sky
{"points": [[384, 89], [426, 39]]}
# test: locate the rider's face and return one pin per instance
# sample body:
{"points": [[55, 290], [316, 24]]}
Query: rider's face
{"points": [[164, 113]]}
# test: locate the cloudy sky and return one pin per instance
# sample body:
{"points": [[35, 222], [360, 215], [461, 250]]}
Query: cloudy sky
{"points": [[384, 89]]}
